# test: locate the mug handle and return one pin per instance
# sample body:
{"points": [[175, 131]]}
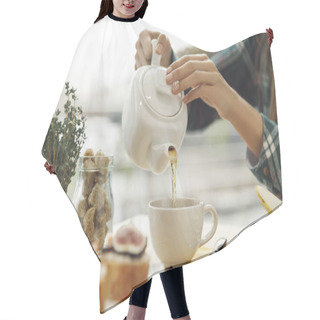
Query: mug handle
{"points": [[209, 208]]}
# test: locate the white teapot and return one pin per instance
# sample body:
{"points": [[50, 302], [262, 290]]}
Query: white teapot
{"points": [[153, 119]]}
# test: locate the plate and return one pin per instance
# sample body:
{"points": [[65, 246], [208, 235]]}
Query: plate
{"points": [[269, 201]]}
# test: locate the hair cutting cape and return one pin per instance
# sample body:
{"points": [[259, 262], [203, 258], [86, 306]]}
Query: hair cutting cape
{"points": [[84, 147]]}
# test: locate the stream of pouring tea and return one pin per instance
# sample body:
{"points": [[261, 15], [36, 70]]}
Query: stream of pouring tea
{"points": [[173, 160]]}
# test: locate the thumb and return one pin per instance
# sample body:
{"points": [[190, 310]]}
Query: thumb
{"points": [[197, 92]]}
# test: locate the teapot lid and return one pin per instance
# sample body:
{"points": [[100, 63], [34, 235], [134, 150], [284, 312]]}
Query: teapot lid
{"points": [[158, 94]]}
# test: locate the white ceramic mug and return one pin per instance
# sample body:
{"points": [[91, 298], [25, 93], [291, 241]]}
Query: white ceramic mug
{"points": [[176, 233]]}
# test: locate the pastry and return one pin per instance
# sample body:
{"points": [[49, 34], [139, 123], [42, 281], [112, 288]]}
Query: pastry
{"points": [[124, 264]]}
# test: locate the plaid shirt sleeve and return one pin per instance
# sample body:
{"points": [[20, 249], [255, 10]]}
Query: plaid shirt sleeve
{"points": [[267, 169]]}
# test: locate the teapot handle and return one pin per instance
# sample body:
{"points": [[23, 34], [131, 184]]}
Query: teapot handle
{"points": [[155, 60], [159, 77]]}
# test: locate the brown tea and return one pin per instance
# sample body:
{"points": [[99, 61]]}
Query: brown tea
{"points": [[173, 160]]}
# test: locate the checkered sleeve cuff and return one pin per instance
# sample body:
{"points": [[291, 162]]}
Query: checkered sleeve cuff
{"points": [[267, 169]]}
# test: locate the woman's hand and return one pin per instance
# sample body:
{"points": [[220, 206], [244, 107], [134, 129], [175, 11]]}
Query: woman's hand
{"points": [[144, 48], [200, 74]]}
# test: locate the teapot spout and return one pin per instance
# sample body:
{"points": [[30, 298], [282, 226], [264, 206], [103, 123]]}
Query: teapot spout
{"points": [[159, 158]]}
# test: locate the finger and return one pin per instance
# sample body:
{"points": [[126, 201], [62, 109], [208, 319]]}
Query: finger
{"points": [[184, 59], [145, 42], [164, 49], [188, 68], [137, 61], [199, 92], [140, 57], [196, 79], [161, 44]]}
